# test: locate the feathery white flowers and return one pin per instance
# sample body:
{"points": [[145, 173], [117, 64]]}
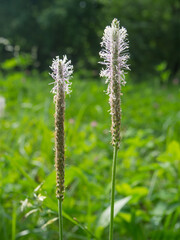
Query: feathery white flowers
{"points": [[61, 72], [115, 45], [115, 55]]}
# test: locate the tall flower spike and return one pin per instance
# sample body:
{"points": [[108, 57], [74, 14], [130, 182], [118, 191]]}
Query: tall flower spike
{"points": [[61, 73], [115, 55]]}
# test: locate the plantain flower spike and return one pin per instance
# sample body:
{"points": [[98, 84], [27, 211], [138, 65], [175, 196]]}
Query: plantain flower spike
{"points": [[115, 54], [61, 73]]}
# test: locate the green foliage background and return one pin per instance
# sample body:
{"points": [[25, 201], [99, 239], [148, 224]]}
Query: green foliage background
{"points": [[147, 170], [148, 173], [74, 27]]}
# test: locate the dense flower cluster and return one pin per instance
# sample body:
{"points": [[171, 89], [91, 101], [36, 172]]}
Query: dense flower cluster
{"points": [[115, 45], [61, 72], [115, 55]]}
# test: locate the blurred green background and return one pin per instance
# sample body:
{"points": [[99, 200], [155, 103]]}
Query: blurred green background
{"points": [[148, 169], [44, 29]]}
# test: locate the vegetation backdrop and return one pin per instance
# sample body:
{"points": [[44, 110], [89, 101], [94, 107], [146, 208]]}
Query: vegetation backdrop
{"points": [[148, 173]]}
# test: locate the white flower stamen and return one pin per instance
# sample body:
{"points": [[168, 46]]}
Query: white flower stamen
{"points": [[61, 72]]}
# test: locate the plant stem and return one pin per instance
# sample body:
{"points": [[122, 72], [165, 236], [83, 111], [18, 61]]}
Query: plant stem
{"points": [[60, 219], [113, 192]]}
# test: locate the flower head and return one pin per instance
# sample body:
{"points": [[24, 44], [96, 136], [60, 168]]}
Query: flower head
{"points": [[61, 72], [114, 44], [115, 54]]}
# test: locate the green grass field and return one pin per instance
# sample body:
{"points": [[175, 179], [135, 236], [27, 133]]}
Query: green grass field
{"points": [[148, 166]]}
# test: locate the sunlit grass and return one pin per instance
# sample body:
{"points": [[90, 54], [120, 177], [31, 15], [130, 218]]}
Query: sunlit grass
{"points": [[147, 165]]}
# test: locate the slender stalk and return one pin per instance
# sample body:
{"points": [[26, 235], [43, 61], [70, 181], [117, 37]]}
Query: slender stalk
{"points": [[14, 222], [60, 219], [61, 73], [113, 192]]}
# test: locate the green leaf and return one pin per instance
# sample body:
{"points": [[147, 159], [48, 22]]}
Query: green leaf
{"points": [[104, 219], [49, 222], [172, 153]]}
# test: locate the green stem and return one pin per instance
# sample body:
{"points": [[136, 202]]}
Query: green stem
{"points": [[60, 219], [113, 192]]}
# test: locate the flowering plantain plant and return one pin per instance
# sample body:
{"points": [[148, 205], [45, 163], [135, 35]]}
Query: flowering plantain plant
{"points": [[61, 73], [115, 54]]}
